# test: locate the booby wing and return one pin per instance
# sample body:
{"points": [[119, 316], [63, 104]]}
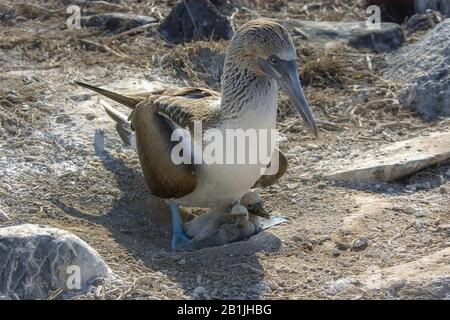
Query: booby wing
{"points": [[153, 119], [267, 180]]}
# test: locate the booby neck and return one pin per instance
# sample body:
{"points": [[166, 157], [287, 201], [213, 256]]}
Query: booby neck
{"points": [[244, 90]]}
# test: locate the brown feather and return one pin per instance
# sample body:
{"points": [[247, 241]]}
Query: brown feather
{"points": [[268, 180], [153, 132]]}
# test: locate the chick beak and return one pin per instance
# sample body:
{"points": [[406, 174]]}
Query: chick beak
{"points": [[258, 210]]}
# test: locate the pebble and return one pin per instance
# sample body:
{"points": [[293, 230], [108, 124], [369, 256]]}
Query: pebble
{"points": [[444, 190], [360, 243], [335, 252], [199, 293], [182, 262], [414, 211], [3, 215], [12, 97], [447, 173], [341, 246]]}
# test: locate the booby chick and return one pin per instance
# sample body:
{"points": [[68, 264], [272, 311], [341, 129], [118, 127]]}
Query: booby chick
{"points": [[260, 57], [230, 224]]}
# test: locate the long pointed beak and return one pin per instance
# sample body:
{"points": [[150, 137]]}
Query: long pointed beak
{"points": [[290, 82], [258, 209]]}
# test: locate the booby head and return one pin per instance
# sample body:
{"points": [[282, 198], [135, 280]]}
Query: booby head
{"points": [[240, 214], [254, 204], [268, 50]]}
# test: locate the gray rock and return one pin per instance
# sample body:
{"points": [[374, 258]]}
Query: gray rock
{"points": [[3, 215], [423, 21], [192, 20], [414, 211], [423, 70], [360, 244], [116, 22], [355, 34], [199, 293], [438, 5], [394, 161], [36, 260], [341, 246], [425, 278]]}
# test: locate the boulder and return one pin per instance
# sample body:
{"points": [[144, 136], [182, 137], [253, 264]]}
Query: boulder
{"points": [[192, 20], [423, 73], [116, 22], [424, 278], [394, 161], [437, 5], [356, 34], [36, 260]]}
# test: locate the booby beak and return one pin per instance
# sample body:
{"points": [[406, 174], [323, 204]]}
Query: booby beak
{"points": [[258, 210], [286, 75]]}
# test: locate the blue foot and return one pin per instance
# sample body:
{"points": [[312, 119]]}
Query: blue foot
{"points": [[273, 221], [180, 240]]}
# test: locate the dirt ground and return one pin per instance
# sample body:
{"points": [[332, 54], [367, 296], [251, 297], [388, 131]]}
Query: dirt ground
{"points": [[50, 173]]}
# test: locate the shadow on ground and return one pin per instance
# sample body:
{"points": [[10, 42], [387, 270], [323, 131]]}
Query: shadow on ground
{"points": [[140, 224]]}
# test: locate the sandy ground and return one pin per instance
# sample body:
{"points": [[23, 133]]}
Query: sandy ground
{"points": [[51, 175]]}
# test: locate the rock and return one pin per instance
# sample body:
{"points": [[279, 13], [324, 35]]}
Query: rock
{"points": [[199, 293], [425, 278], [355, 34], [414, 211], [341, 246], [116, 22], [360, 244], [443, 6], [445, 228], [394, 161], [192, 20], [423, 21], [335, 252], [343, 284], [3, 215], [422, 67], [36, 260]]}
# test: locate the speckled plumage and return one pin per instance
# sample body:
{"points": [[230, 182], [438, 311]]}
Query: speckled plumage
{"points": [[248, 101]]}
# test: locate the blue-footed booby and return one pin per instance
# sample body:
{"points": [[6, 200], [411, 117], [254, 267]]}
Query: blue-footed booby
{"points": [[260, 57]]}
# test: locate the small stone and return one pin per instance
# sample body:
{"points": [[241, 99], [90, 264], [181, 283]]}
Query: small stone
{"points": [[199, 293], [414, 211], [12, 97], [341, 246], [360, 244], [3, 215], [444, 190], [182, 262], [63, 119], [426, 239], [444, 227], [335, 252]]}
